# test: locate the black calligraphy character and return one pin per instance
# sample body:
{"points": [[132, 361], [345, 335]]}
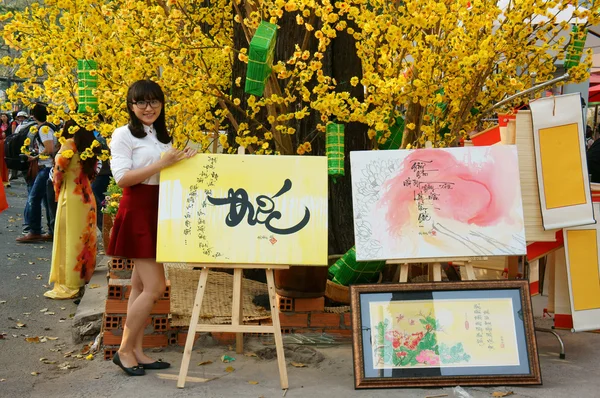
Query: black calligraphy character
{"points": [[239, 205]]}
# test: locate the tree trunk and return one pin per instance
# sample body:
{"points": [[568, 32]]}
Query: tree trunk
{"points": [[345, 64]]}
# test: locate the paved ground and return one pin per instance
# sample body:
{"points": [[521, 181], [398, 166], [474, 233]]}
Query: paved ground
{"points": [[20, 265]]}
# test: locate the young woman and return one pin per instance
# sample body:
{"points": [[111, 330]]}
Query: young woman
{"points": [[136, 162], [5, 131], [74, 248]]}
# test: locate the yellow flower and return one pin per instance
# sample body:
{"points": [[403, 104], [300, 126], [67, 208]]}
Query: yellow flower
{"points": [[236, 101], [45, 129], [114, 204], [68, 154], [27, 142]]}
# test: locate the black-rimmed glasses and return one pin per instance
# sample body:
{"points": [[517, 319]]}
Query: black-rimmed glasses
{"points": [[144, 104]]}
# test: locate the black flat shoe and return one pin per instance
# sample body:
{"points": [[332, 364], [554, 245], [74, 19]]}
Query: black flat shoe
{"points": [[156, 365], [133, 371]]}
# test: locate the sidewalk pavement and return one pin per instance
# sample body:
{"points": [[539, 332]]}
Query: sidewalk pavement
{"points": [[576, 376]]}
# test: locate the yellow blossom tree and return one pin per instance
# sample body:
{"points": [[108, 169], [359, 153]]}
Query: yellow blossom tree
{"points": [[437, 64]]}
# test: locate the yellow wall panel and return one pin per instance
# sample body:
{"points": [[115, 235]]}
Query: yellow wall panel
{"points": [[561, 166], [583, 266]]}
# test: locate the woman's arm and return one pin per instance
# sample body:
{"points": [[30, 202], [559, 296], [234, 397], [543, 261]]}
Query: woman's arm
{"points": [[172, 156]]}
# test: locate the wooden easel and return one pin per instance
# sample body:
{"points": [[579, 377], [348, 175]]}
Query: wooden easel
{"points": [[237, 318], [435, 266]]}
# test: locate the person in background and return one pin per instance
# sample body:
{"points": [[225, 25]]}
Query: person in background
{"points": [[43, 145], [17, 119], [5, 131], [136, 163], [589, 137], [74, 248], [100, 184]]}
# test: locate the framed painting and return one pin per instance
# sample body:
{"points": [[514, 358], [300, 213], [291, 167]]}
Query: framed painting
{"points": [[443, 334], [437, 203]]}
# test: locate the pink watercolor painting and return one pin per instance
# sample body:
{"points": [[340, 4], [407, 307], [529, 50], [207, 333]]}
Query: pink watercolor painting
{"points": [[451, 202]]}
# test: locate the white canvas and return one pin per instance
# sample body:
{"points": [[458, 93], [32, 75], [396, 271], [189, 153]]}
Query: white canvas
{"points": [[437, 203]]}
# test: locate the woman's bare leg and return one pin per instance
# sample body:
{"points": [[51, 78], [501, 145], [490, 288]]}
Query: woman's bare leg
{"points": [[152, 277]]}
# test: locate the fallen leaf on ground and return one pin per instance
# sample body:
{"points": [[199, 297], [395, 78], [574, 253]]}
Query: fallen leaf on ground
{"points": [[502, 393], [252, 382], [67, 366], [27, 313], [297, 364], [90, 357], [43, 339], [35, 339], [20, 325], [227, 359], [250, 354], [3, 302], [50, 362], [204, 363], [43, 359], [1, 380], [50, 313], [38, 277], [62, 319], [43, 259], [229, 369], [63, 308], [31, 263], [18, 277], [51, 338], [35, 373], [94, 286], [44, 310]]}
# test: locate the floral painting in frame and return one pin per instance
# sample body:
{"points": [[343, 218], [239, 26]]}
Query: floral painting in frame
{"points": [[434, 334]]}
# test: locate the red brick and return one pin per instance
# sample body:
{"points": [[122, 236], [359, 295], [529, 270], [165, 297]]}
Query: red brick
{"points": [[109, 352], [285, 303], [348, 319], [345, 333], [149, 341], [182, 337], [325, 319], [298, 320], [308, 330], [311, 304], [120, 307], [223, 338]]}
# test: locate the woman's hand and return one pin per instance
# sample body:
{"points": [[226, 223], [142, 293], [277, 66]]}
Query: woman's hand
{"points": [[189, 152], [172, 156]]}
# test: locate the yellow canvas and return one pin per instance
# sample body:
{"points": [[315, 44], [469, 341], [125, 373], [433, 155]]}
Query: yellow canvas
{"points": [[244, 209], [465, 332], [583, 267], [561, 166]]}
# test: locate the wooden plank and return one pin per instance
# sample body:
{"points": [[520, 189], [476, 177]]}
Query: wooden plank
{"points": [[189, 342], [470, 272], [433, 260], [204, 327], [437, 272], [237, 314], [277, 332], [403, 273], [241, 266]]}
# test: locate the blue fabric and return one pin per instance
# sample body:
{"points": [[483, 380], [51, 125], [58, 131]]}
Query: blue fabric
{"points": [[37, 197], [99, 187]]}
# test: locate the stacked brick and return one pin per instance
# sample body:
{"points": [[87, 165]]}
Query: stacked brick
{"points": [[157, 332], [303, 315]]}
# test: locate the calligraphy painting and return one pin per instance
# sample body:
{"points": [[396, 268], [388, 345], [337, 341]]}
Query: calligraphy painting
{"points": [[244, 210], [428, 334], [442, 203]]}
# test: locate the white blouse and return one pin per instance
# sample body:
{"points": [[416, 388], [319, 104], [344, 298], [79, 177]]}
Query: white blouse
{"points": [[130, 153]]}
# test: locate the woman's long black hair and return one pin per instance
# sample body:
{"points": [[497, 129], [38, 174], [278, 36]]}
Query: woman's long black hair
{"points": [[83, 139], [147, 90]]}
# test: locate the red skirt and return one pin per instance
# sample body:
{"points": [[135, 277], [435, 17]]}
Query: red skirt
{"points": [[134, 231]]}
